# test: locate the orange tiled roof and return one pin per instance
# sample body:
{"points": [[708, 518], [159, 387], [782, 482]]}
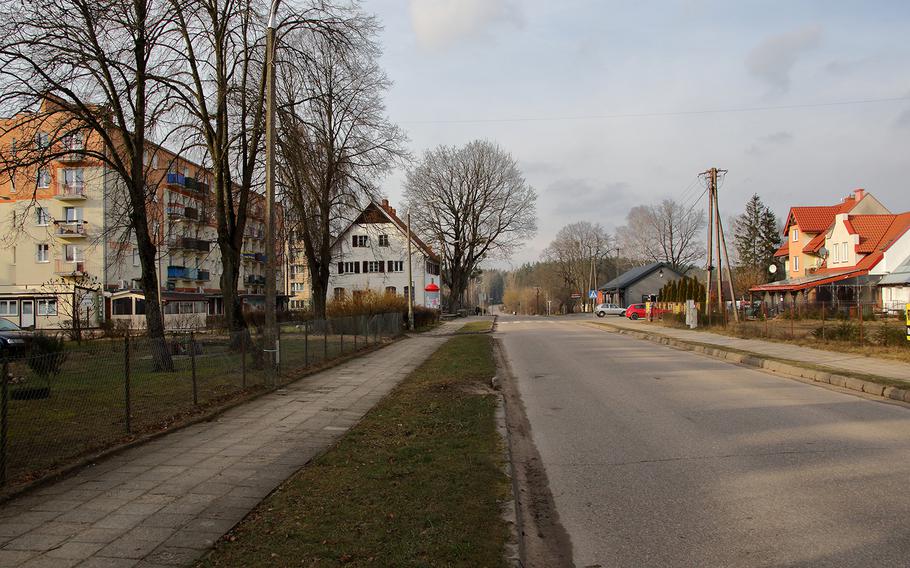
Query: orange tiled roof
{"points": [[815, 219], [877, 232], [816, 243], [784, 249]]}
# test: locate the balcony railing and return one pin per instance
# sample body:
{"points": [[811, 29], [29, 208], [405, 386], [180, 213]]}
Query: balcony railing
{"points": [[177, 272], [181, 212], [255, 280], [68, 191], [72, 156], [69, 267], [70, 229], [190, 244]]}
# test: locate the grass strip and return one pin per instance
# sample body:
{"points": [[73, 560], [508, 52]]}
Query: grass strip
{"points": [[481, 326], [418, 482]]}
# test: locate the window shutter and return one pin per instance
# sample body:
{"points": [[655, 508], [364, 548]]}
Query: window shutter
{"points": [[340, 268], [366, 267], [353, 240], [356, 267]]}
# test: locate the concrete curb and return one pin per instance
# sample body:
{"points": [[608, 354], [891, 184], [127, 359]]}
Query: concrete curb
{"points": [[762, 362]]}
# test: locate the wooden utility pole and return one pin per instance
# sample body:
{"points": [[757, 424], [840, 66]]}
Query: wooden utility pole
{"points": [[717, 247]]}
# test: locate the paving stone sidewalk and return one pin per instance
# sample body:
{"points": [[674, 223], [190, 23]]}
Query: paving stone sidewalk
{"points": [[166, 502], [834, 360]]}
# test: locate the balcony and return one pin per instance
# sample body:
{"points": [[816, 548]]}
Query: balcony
{"points": [[177, 273], [69, 267], [175, 179], [255, 280], [70, 229], [72, 191], [190, 244], [180, 212], [72, 157], [260, 257]]}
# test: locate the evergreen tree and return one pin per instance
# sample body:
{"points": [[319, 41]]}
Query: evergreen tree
{"points": [[756, 235]]}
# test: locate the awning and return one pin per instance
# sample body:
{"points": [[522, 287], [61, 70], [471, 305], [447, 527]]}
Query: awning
{"points": [[806, 282]]}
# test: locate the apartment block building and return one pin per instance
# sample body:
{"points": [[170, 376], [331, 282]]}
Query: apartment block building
{"points": [[68, 252]]}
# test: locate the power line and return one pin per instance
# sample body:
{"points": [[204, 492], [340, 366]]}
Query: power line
{"points": [[658, 114]]}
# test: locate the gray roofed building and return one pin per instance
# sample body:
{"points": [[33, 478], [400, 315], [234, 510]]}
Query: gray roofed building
{"points": [[637, 284]]}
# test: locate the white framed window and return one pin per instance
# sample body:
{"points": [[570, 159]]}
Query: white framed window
{"points": [[136, 256], [9, 307], [795, 264], [47, 307], [795, 235], [72, 253], [74, 178], [360, 241], [373, 266], [383, 240], [338, 294], [396, 266], [43, 178], [72, 214], [42, 217], [74, 141], [42, 253], [348, 268]]}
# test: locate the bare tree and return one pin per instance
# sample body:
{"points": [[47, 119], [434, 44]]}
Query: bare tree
{"points": [[474, 203], [335, 140], [576, 250], [90, 68], [666, 232]]}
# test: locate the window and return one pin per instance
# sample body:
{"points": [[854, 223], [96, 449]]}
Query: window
{"points": [[140, 306], [348, 268], [339, 294], [72, 253], [406, 288], [795, 235], [122, 307], [12, 148], [47, 307], [41, 140], [360, 241], [373, 266], [9, 308], [73, 141], [136, 256], [44, 178], [383, 240], [74, 178], [432, 268], [72, 214], [42, 217], [391, 290], [41, 253], [836, 252], [396, 266], [795, 264]]}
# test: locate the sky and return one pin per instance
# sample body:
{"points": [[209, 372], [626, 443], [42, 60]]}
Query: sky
{"points": [[607, 105]]}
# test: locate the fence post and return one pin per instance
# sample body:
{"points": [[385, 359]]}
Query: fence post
{"points": [[243, 338], [128, 405], [306, 344], [356, 332], [859, 308], [342, 341], [4, 418], [193, 367], [764, 311], [791, 320], [278, 355], [325, 340], [823, 320]]}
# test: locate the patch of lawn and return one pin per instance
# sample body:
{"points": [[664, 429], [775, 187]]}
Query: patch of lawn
{"points": [[477, 326], [418, 482]]}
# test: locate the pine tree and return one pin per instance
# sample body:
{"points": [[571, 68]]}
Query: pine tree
{"points": [[756, 235]]}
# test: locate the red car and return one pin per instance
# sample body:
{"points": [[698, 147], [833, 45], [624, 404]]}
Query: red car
{"points": [[636, 311]]}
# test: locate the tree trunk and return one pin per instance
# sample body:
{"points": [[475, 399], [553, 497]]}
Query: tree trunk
{"points": [[230, 276], [154, 319]]}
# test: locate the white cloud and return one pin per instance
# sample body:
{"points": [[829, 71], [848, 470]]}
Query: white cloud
{"points": [[774, 58], [440, 23]]}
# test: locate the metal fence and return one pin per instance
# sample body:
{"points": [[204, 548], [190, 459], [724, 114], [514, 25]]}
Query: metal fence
{"points": [[63, 405], [854, 322]]}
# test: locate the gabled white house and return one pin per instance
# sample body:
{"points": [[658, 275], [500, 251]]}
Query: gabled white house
{"points": [[372, 255]]}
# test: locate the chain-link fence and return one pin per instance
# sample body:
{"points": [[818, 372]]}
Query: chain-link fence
{"points": [[62, 401]]}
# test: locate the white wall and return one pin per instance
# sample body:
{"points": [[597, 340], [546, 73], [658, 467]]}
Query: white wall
{"points": [[838, 236], [344, 251], [894, 256]]}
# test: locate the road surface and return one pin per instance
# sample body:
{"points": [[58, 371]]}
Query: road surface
{"points": [[660, 457]]}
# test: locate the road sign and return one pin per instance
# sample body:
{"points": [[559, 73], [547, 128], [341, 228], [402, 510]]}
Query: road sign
{"points": [[592, 294], [576, 296]]}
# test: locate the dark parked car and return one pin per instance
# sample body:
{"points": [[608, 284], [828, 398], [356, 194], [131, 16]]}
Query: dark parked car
{"points": [[14, 341]]}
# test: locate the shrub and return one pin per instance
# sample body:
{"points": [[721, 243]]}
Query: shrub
{"points": [[843, 330], [48, 353], [371, 303]]}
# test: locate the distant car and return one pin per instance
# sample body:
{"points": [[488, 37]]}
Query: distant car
{"points": [[609, 310], [13, 339], [636, 311]]}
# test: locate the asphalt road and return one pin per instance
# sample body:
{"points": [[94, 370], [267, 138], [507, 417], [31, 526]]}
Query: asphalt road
{"points": [[660, 457]]}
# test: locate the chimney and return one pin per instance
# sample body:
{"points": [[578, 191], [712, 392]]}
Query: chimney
{"points": [[394, 213], [859, 193], [385, 204]]}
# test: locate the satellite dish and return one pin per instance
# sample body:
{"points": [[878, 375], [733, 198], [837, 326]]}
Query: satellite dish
{"points": [[772, 269], [823, 252]]}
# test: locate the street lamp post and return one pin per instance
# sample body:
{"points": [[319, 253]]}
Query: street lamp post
{"points": [[271, 307]]}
